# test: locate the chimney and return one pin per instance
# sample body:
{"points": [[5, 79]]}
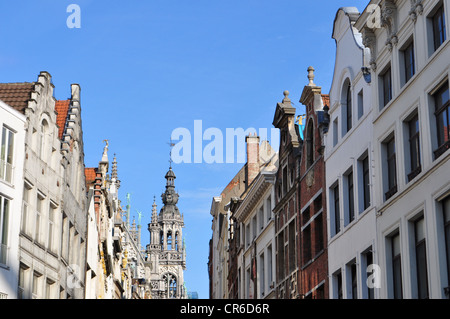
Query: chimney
{"points": [[252, 157]]}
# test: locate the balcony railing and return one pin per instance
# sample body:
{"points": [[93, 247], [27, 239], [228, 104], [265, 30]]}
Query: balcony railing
{"points": [[6, 171]]}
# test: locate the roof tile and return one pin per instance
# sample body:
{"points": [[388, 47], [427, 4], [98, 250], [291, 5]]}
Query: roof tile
{"points": [[16, 95], [62, 109], [90, 173]]}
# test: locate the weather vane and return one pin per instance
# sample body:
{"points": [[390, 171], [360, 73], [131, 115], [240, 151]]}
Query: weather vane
{"points": [[171, 145]]}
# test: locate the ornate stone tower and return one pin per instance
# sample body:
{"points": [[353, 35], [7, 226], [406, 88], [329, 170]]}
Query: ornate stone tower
{"points": [[166, 251]]}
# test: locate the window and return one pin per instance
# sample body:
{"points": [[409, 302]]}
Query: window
{"points": [[239, 284], [43, 140], [421, 258], [335, 132], [391, 168], [320, 292], [25, 209], [360, 104], [4, 228], [285, 180], [386, 87], [23, 276], [438, 21], [350, 197], [442, 114], [368, 256], [6, 155], [49, 284], [338, 285], [309, 144], [348, 108], [414, 147], [71, 243], [280, 256], [306, 215], [269, 266], [408, 62], [306, 244], [255, 226], [336, 211], [39, 212], [169, 240], [171, 282], [247, 280], [319, 242], [446, 220], [268, 208], [65, 237], [247, 235], [396, 267], [261, 217], [364, 179], [262, 286], [51, 227], [354, 280], [36, 289], [292, 240]]}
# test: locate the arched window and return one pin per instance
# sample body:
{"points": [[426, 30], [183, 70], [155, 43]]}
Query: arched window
{"points": [[349, 106], [309, 143], [43, 140], [171, 284], [176, 241], [346, 107], [169, 240]]}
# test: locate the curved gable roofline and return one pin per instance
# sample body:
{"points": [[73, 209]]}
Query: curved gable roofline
{"points": [[353, 14]]}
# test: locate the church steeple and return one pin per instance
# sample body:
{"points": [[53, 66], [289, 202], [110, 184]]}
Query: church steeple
{"points": [[166, 251]]}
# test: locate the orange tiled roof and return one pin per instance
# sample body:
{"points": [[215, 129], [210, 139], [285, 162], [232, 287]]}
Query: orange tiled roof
{"points": [[16, 95], [90, 173], [61, 108], [326, 99]]}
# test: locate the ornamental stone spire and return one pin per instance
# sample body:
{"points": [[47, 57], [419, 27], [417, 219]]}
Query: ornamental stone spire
{"points": [[166, 251], [154, 211]]}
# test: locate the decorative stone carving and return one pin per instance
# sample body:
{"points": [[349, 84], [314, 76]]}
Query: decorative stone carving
{"points": [[388, 21], [416, 9], [154, 284], [369, 40]]}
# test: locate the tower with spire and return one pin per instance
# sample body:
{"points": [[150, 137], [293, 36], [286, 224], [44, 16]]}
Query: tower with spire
{"points": [[166, 250]]}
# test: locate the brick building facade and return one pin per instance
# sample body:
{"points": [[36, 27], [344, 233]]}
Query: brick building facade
{"points": [[312, 217]]}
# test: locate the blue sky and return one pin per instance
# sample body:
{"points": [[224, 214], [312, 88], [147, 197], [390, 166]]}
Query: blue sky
{"points": [[149, 67]]}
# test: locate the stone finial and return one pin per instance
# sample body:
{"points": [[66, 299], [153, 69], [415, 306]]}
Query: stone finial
{"points": [[311, 76], [286, 97], [154, 212]]}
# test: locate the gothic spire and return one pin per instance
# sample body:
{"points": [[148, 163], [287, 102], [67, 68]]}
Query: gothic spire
{"points": [[154, 211]]}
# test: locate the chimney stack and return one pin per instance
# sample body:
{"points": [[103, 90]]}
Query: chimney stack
{"points": [[252, 157]]}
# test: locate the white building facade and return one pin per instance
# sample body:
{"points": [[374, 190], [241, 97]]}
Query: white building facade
{"points": [[256, 258], [410, 69], [12, 140], [348, 163]]}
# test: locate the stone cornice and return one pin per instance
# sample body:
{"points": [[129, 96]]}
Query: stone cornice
{"points": [[260, 185]]}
